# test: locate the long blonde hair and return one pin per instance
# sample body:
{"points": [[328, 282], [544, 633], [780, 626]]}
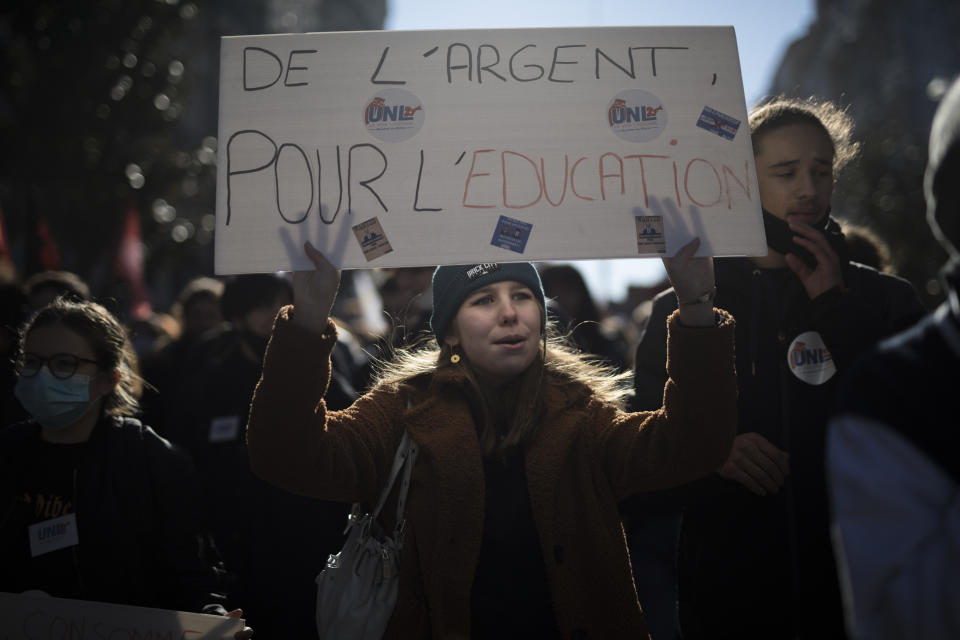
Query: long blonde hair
{"points": [[518, 406]]}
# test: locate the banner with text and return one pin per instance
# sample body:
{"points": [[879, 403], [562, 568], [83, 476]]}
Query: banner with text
{"points": [[25, 617], [409, 148]]}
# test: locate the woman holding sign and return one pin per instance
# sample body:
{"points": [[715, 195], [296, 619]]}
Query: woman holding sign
{"points": [[511, 519], [754, 553]]}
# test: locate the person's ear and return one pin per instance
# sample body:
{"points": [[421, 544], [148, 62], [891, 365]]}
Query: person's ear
{"points": [[451, 339], [107, 382]]}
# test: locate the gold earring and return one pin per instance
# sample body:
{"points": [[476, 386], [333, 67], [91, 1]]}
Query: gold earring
{"points": [[455, 358]]}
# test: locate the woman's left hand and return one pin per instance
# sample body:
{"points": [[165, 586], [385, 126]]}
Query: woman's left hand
{"points": [[827, 274], [692, 277]]}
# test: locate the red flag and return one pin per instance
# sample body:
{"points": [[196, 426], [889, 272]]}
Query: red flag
{"points": [[42, 252], [49, 254], [129, 264]]}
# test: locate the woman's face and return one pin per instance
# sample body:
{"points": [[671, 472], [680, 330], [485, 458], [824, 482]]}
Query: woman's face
{"points": [[498, 329], [795, 172], [52, 339]]}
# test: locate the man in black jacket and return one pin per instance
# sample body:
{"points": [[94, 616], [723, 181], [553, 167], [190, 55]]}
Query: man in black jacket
{"points": [[754, 557]]}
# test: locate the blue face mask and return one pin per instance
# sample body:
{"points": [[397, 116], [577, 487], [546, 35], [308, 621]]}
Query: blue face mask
{"points": [[54, 403]]}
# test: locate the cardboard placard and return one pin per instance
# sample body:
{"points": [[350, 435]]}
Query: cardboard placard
{"points": [[32, 617], [406, 148]]}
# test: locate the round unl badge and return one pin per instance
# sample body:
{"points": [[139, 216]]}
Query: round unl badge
{"points": [[393, 115], [636, 115], [809, 359]]}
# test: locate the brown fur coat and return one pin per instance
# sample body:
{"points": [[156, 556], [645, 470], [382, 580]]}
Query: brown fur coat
{"points": [[586, 456]]}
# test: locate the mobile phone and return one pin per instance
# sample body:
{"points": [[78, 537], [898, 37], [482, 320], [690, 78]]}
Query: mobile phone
{"points": [[780, 237]]}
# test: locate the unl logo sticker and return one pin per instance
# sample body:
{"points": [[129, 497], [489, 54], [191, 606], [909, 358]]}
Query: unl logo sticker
{"points": [[636, 116], [393, 115]]}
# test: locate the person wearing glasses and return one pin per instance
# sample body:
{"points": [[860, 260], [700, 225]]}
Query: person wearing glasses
{"points": [[94, 505]]}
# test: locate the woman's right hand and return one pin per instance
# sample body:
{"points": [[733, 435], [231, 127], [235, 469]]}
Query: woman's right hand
{"points": [[314, 291]]}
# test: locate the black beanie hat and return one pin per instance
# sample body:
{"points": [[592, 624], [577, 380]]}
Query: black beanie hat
{"points": [[452, 284]]}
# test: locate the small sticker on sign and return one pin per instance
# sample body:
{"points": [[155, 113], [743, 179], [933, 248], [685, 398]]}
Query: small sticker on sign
{"points": [[373, 241], [719, 123], [393, 115], [636, 115], [511, 234], [650, 238]]}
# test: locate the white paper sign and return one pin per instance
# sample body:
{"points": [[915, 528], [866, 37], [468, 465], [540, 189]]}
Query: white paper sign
{"points": [[406, 148], [27, 617]]}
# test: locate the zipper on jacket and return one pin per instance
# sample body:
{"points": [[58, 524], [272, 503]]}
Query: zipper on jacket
{"points": [[789, 493]]}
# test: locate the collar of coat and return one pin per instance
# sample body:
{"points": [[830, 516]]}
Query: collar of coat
{"points": [[558, 395]]}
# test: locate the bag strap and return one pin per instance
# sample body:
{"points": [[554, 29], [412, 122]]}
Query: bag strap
{"points": [[403, 460], [412, 450]]}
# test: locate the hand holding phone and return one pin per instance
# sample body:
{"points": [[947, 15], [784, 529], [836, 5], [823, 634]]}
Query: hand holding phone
{"points": [[817, 274], [780, 237]]}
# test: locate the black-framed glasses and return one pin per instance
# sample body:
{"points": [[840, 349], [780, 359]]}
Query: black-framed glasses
{"points": [[61, 365]]}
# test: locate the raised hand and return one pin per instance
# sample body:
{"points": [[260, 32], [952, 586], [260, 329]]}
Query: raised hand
{"points": [[314, 291], [692, 277]]}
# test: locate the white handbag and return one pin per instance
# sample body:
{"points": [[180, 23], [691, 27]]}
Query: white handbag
{"points": [[357, 591]]}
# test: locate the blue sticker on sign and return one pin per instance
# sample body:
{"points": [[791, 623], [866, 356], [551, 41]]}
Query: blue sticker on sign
{"points": [[511, 234], [718, 123]]}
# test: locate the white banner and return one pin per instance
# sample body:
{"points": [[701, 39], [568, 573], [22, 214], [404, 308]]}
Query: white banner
{"points": [[408, 148]]}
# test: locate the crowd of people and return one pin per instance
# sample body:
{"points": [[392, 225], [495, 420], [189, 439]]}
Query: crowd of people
{"points": [[731, 474]]}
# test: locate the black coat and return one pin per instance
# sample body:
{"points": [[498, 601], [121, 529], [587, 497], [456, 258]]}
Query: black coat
{"points": [[141, 538]]}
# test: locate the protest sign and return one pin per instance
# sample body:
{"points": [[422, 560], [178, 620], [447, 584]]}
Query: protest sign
{"points": [[405, 148], [37, 617]]}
